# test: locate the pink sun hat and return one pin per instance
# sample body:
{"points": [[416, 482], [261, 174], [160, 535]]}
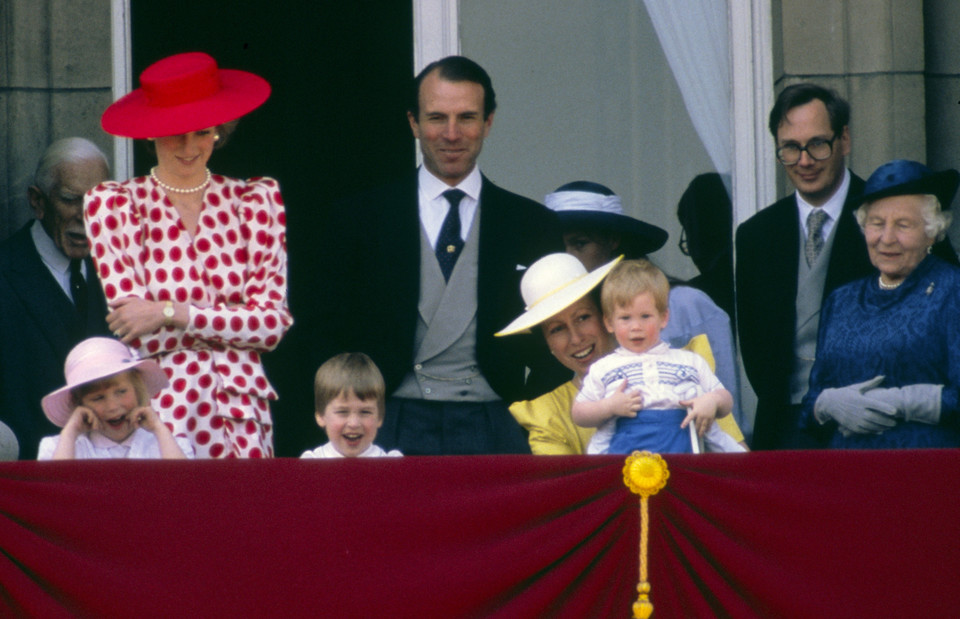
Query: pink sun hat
{"points": [[183, 93], [92, 359]]}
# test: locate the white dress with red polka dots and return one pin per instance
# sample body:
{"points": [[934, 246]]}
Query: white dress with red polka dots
{"points": [[233, 275]]}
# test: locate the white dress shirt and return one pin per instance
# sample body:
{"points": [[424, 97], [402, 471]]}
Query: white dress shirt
{"points": [[54, 259], [832, 207], [434, 207]]}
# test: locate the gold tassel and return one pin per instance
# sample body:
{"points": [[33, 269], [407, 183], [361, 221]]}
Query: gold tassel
{"points": [[644, 473]]}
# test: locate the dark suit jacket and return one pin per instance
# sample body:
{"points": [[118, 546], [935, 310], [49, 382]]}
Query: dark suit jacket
{"points": [[368, 279], [768, 253], [38, 327], [768, 250]]}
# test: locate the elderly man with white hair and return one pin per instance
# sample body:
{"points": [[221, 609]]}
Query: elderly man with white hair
{"points": [[50, 297]]}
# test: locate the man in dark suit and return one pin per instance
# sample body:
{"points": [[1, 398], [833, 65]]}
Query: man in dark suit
{"points": [[420, 274], [791, 255], [50, 297]]}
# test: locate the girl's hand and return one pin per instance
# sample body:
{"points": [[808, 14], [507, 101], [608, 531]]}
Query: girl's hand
{"points": [[147, 418], [82, 420], [131, 317], [623, 403], [702, 411]]}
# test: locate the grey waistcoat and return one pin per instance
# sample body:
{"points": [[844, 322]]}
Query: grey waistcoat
{"points": [[810, 283], [445, 363]]}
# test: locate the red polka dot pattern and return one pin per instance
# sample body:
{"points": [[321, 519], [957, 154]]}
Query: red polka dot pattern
{"points": [[231, 271]]}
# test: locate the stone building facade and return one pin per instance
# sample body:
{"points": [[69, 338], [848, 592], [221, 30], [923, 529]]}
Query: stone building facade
{"points": [[55, 80], [897, 61]]}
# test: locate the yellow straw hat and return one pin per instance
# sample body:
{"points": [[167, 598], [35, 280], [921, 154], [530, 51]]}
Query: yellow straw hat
{"points": [[551, 284]]}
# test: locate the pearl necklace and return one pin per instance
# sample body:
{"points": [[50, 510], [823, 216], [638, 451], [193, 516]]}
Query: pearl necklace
{"points": [[166, 187], [884, 286]]}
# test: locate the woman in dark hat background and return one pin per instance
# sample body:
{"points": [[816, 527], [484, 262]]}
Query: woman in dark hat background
{"points": [[706, 219], [887, 372], [595, 230], [193, 264]]}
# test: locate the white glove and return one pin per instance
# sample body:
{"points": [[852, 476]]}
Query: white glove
{"points": [[855, 410], [919, 402]]}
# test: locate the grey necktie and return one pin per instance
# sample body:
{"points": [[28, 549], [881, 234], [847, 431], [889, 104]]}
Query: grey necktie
{"points": [[814, 244]]}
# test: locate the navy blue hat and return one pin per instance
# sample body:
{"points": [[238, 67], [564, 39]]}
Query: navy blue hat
{"points": [[583, 204], [902, 177]]}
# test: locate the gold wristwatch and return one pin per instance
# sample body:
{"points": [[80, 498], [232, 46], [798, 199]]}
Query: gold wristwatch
{"points": [[168, 313]]}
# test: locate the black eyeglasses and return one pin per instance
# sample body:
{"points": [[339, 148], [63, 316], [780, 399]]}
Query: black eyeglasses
{"points": [[818, 149]]}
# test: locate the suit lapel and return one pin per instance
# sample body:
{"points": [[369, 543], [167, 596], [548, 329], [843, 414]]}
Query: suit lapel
{"points": [[96, 303], [40, 294], [848, 258], [782, 268], [397, 257], [498, 254]]}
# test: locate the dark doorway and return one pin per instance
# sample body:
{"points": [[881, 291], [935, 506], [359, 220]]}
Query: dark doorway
{"points": [[335, 124]]}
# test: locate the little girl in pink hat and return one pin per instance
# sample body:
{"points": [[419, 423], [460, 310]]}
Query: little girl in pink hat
{"points": [[104, 409]]}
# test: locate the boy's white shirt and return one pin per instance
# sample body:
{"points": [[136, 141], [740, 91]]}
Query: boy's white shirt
{"points": [[140, 445], [327, 450], [657, 395]]}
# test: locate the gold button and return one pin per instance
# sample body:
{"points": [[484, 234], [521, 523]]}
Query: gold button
{"points": [[451, 249]]}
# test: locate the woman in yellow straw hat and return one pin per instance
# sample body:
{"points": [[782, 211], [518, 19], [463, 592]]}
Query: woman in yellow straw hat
{"points": [[562, 301]]}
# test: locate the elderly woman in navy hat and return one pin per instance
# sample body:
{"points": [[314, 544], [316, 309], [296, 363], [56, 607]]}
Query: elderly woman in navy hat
{"points": [[595, 230], [887, 372], [193, 264]]}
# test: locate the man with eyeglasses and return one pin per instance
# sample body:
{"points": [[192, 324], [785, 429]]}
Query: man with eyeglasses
{"points": [[794, 253]]}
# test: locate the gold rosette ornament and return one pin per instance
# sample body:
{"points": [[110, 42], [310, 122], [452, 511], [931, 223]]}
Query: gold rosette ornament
{"points": [[644, 473]]}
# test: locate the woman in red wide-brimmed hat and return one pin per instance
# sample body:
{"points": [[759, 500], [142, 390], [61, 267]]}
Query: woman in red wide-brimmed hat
{"points": [[194, 264]]}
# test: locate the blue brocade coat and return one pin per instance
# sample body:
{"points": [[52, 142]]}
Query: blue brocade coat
{"points": [[910, 335]]}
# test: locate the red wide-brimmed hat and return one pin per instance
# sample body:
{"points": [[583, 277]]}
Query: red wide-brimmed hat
{"points": [[184, 93]]}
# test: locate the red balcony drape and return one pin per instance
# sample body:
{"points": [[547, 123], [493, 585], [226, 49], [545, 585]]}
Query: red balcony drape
{"points": [[790, 534]]}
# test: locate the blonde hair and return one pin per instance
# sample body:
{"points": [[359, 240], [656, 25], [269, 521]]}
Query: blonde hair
{"points": [[349, 372], [136, 379], [630, 278]]}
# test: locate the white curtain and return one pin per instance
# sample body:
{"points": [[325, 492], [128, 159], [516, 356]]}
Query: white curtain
{"points": [[694, 36]]}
